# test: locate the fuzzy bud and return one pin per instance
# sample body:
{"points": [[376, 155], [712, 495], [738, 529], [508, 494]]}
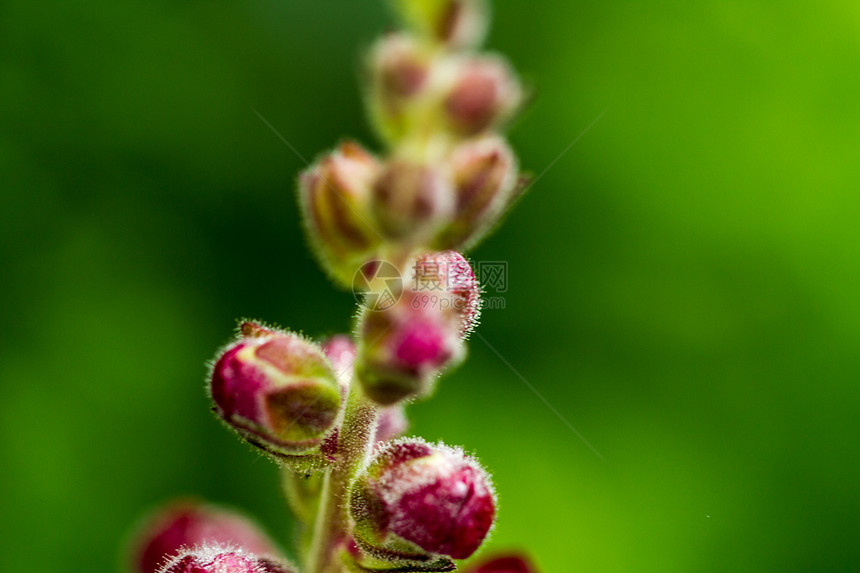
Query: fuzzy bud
{"points": [[485, 93], [277, 390], [505, 564], [457, 23], [223, 559], [335, 198], [417, 499], [411, 200], [189, 524], [404, 348], [485, 179], [400, 75]]}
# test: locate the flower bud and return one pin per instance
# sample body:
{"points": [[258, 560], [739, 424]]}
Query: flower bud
{"points": [[277, 390], [404, 348], [223, 559], [457, 23], [189, 524], [416, 499], [400, 72], [485, 178], [485, 93], [505, 564], [411, 200], [335, 198]]}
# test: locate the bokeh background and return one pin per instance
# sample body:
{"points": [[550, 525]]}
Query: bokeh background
{"points": [[683, 283]]}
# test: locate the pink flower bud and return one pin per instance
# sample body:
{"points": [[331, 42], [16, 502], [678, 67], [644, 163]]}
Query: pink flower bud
{"points": [[189, 524], [485, 93], [411, 201], [277, 390], [417, 499], [505, 564], [335, 198], [458, 23], [405, 347], [448, 276], [485, 178], [223, 559]]}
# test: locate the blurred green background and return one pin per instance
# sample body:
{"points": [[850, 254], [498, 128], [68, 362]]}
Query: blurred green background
{"points": [[684, 282]]}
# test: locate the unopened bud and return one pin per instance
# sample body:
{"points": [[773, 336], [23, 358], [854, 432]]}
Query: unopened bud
{"points": [[223, 559], [485, 93], [400, 71], [457, 23], [277, 390], [504, 564], [189, 524], [484, 171], [411, 200], [335, 197], [417, 499], [404, 348]]}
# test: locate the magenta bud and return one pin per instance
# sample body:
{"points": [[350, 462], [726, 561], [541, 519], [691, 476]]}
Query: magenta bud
{"points": [[445, 279], [190, 524], [334, 194], [457, 23], [403, 352], [504, 564], [403, 349], [417, 499], [277, 390], [223, 559], [411, 201], [485, 178], [485, 93]]}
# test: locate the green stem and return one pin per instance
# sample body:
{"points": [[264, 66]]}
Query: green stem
{"points": [[355, 441]]}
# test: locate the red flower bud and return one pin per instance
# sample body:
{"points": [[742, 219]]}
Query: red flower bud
{"points": [[405, 347], [485, 93], [277, 390], [505, 564], [416, 499], [219, 559], [189, 524], [411, 201], [485, 178], [335, 198]]}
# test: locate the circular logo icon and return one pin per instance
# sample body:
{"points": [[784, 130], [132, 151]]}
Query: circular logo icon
{"points": [[377, 285]]}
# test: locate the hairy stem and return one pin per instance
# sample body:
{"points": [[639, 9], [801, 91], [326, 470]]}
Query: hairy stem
{"points": [[355, 441]]}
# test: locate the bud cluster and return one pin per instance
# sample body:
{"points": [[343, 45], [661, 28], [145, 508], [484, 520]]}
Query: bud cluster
{"points": [[330, 413], [449, 175]]}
